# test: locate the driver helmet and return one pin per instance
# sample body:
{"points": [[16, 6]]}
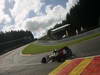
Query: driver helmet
{"points": [[54, 51]]}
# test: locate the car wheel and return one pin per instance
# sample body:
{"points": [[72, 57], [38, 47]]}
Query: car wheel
{"points": [[44, 60]]}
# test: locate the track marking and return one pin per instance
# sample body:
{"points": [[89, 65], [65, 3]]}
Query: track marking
{"points": [[93, 68], [55, 71], [78, 70], [67, 69]]}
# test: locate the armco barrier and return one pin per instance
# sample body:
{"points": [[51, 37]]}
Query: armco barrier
{"points": [[95, 31]]}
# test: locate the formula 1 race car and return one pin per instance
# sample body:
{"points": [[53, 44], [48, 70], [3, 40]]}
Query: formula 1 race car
{"points": [[58, 55]]}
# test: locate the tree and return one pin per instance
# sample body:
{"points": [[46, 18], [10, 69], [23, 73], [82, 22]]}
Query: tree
{"points": [[85, 14]]}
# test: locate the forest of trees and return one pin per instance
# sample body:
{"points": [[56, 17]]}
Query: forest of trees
{"points": [[14, 35], [84, 15], [14, 39]]}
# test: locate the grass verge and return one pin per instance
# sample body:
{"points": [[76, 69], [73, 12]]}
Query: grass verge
{"points": [[35, 48]]}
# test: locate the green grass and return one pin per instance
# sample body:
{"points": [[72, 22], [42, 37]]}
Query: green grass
{"points": [[35, 48]]}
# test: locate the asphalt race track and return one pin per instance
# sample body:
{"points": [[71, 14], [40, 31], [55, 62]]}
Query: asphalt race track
{"points": [[14, 63]]}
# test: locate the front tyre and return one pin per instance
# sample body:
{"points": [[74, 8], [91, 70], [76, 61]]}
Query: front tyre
{"points": [[44, 60]]}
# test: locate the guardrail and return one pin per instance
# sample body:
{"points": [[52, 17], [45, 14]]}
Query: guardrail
{"points": [[78, 36], [94, 31]]}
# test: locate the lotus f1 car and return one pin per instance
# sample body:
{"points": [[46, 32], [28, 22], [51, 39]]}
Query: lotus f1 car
{"points": [[58, 55]]}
